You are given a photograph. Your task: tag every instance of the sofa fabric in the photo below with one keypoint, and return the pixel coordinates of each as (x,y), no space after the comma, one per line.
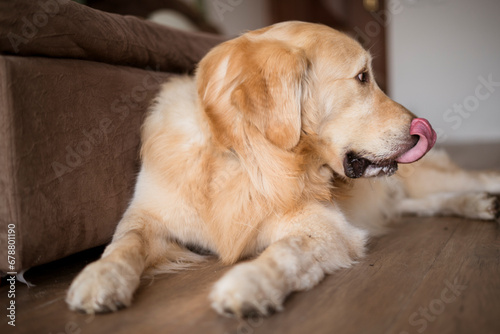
(70,116)
(63,28)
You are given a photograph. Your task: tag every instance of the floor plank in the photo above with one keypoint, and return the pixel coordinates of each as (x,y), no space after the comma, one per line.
(461,292)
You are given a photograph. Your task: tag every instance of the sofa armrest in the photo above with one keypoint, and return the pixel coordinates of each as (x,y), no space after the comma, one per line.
(70,136)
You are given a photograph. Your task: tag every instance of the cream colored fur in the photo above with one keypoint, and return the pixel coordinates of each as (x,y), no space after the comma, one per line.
(246,160)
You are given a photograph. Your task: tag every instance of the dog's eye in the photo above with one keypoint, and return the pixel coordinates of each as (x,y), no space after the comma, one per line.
(363,77)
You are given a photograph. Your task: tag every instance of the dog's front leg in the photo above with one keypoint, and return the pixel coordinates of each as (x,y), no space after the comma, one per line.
(109,283)
(303,248)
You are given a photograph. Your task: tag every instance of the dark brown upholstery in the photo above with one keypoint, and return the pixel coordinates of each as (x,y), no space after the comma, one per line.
(60,28)
(70,116)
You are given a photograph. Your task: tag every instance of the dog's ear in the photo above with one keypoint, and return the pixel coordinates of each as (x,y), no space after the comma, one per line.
(269,94)
(263,86)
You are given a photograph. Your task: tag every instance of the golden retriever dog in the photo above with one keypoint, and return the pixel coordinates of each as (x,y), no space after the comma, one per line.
(274,153)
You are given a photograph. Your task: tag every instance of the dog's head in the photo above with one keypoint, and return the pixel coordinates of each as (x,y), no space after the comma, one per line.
(295,80)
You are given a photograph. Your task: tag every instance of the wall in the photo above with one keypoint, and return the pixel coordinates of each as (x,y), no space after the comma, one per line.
(442,54)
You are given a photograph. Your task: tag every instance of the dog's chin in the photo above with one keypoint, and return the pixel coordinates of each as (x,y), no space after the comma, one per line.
(356,166)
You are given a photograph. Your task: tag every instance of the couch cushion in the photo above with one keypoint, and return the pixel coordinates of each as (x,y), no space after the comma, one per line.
(65,29)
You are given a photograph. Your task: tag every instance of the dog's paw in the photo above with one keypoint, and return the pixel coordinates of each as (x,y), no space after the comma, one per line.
(482,206)
(247,290)
(103,286)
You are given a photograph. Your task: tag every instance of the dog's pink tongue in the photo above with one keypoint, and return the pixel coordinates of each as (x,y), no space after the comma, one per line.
(422,128)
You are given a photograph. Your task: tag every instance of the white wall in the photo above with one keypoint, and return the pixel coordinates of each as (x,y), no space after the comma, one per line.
(440,53)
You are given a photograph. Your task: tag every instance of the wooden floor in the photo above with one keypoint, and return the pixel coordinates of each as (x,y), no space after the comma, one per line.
(432,275)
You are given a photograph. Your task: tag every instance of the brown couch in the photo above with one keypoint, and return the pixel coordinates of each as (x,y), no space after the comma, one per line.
(74,86)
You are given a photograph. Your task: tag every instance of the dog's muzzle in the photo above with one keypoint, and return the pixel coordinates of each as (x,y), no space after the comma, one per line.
(356,166)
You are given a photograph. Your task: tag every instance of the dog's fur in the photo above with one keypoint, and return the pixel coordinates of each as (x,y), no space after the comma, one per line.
(247,160)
